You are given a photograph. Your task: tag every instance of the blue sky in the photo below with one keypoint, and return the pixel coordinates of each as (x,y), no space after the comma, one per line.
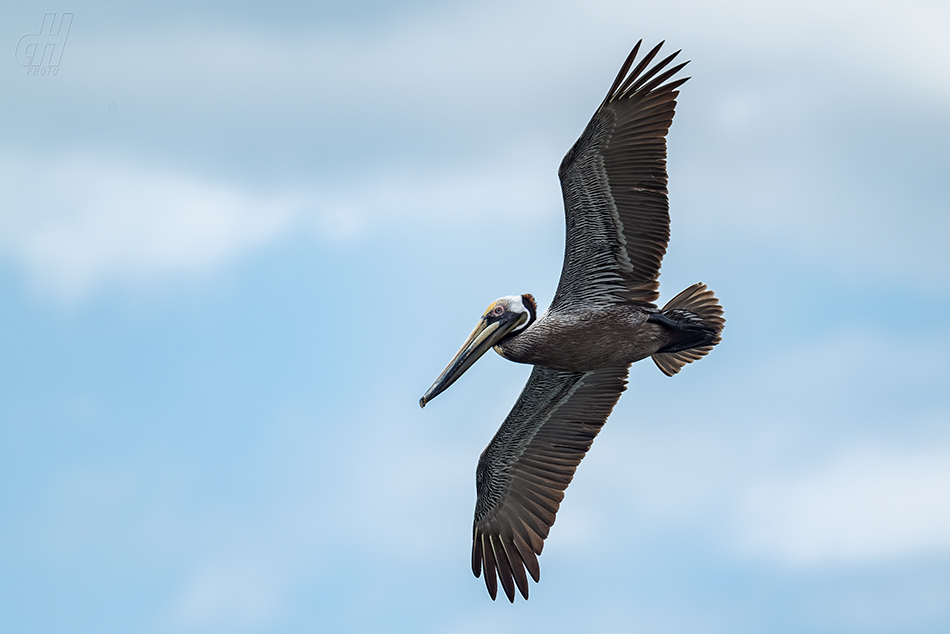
(237,243)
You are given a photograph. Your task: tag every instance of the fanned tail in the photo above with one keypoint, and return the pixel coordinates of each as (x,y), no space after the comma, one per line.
(698,310)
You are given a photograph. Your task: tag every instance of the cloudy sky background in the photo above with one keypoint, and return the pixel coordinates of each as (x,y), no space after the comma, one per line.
(238,242)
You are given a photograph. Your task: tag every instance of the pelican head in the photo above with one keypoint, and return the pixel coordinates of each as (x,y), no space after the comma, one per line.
(505,317)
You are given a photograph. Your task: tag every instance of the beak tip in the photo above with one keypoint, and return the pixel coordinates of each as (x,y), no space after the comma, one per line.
(422,402)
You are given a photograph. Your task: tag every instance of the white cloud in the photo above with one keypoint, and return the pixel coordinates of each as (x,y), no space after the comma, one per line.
(520,183)
(489,50)
(92,222)
(89,222)
(866,505)
(99,221)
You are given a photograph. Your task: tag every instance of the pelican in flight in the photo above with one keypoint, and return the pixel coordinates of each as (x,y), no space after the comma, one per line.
(602,319)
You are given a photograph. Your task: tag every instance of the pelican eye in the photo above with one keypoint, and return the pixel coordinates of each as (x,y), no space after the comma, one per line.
(498,310)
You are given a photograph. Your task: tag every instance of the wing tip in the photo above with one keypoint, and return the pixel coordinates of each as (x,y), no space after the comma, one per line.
(629,82)
(504,560)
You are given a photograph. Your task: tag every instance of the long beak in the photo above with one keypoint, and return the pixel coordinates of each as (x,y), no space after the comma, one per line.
(482,339)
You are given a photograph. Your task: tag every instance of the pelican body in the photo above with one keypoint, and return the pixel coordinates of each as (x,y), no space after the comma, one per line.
(603,318)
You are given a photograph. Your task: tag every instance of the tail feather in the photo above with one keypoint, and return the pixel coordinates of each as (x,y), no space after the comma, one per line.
(697,307)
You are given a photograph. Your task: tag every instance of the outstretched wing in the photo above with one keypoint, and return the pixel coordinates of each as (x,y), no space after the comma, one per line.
(614,185)
(523,472)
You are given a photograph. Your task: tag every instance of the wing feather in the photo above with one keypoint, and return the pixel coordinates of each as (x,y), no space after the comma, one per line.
(505,574)
(614,184)
(522,474)
(528,558)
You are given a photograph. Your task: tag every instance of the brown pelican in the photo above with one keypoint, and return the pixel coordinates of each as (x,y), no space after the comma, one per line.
(602,319)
